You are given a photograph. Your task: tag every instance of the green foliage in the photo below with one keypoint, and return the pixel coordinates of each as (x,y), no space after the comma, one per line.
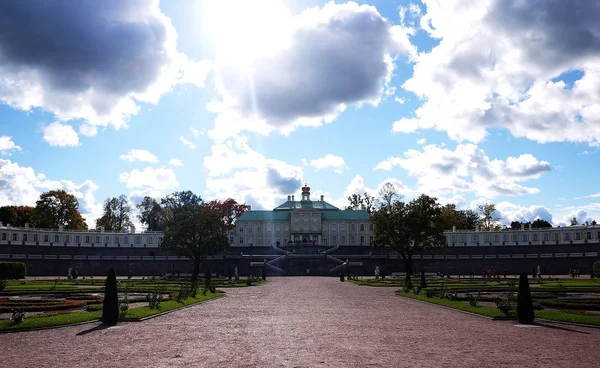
(124,307)
(423,280)
(116,215)
(525,313)
(13,270)
(2,284)
(57,207)
(152,214)
(597,268)
(363,202)
(16,215)
(18,316)
(154,299)
(110,310)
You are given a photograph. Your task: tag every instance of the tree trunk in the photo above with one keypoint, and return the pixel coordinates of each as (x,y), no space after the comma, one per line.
(195,273)
(408,270)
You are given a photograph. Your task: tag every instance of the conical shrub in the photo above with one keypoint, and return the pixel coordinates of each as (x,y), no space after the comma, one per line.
(525,313)
(423,280)
(110,308)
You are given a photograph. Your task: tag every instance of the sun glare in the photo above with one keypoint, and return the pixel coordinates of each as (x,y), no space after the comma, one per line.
(244,31)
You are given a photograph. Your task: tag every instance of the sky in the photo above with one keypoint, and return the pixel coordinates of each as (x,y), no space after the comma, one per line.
(471,102)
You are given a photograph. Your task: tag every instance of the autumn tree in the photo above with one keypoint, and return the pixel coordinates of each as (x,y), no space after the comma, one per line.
(462,219)
(229,210)
(193,230)
(16,215)
(152,214)
(57,207)
(116,215)
(487,215)
(363,201)
(407,228)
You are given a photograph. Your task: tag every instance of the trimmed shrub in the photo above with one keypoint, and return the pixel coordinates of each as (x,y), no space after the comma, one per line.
(597,269)
(423,280)
(110,309)
(13,270)
(525,313)
(2,284)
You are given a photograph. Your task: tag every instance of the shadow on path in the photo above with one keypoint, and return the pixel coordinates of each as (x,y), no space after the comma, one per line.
(560,328)
(99,327)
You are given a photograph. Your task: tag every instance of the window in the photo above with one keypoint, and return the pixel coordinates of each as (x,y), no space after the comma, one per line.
(150,240)
(567,236)
(452,238)
(486,238)
(259,241)
(56,238)
(259,229)
(286,227)
(305,218)
(126,239)
(241,228)
(362,240)
(577,236)
(269,227)
(250,229)
(352,240)
(250,241)
(47,239)
(496,238)
(87,238)
(556,237)
(333,227)
(325,227)
(296,227)
(3,236)
(159,240)
(535,237)
(67,238)
(515,238)
(589,235)
(231,240)
(353,227)
(305,227)
(268,241)
(462,238)
(334,239)
(343,239)
(241,240)
(24,237)
(524,237)
(278,227)
(546,237)
(370,227)
(14,236)
(342,227)
(315,227)
(371,239)
(97,239)
(474,238)
(362,227)
(137,239)
(77,238)
(117,240)
(505,237)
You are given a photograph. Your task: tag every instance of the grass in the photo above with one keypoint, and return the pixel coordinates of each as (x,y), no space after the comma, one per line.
(50,321)
(491,312)
(562,316)
(143,312)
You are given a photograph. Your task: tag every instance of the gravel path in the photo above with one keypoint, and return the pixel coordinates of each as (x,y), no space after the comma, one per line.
(307,322)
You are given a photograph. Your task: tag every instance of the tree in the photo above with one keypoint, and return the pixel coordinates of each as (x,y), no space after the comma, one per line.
(110,305)
(152,214)
(117,214)
(193,230)
(57,207)
(525,313)
(363,201)
(16,215)
(408,228)
(574,221)
(516,224)
(487,215)
(461,219)
(540,224)
(229,210)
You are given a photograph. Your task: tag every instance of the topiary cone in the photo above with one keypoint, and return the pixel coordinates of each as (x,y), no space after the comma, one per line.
(423,280)
(525,313)
(110,307)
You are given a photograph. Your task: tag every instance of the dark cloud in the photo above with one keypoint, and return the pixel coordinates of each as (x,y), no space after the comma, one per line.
(550,31)
(341,59)
(281,184)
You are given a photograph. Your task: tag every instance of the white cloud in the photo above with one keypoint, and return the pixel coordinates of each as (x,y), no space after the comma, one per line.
(328,161)
(399,100)
(7,145)
(440,171)
(139,155)
(509,64)
(98,61)
(187,143)
(61,135)
(22,186)
(197,132)
(279,83)
(150,178)
(175,162)
(510,212)
(421,141)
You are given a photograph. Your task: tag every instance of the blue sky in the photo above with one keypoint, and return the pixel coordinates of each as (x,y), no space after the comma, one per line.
(471,102)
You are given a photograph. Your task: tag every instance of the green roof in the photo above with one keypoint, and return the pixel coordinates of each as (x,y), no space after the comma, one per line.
(281,215)
(292,205)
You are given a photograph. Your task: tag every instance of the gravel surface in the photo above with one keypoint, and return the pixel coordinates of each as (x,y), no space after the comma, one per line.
(307,322)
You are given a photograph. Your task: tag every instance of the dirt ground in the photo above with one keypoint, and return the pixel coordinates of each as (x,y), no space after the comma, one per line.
(307,322)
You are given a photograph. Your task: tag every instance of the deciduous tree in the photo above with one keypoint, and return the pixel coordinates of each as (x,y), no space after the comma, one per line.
(487,215)
(57,207)
(117,214)
(152,214)
(16,215)
(408,228)
(229,210)
(363,201)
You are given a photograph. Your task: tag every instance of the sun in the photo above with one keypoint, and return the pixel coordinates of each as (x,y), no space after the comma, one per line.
(245,31)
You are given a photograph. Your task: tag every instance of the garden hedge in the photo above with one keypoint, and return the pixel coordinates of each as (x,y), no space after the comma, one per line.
(13,270)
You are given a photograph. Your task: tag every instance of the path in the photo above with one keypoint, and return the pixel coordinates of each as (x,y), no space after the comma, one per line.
(307,322)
